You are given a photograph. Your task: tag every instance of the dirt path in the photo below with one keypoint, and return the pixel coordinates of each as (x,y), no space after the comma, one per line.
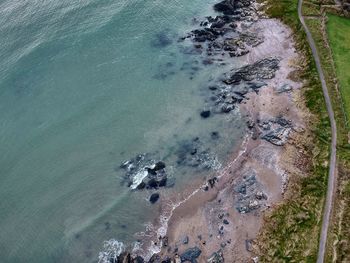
(332,164)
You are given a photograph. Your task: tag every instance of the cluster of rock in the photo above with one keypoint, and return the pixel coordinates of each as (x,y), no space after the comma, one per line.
(236,85)
(275,130)
(143,172)
(190,255)
(248,194)
(221,33)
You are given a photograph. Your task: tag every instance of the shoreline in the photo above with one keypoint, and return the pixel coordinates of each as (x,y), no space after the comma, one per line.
(219,220)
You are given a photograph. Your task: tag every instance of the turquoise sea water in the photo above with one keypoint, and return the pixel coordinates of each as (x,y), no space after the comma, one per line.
(84,86)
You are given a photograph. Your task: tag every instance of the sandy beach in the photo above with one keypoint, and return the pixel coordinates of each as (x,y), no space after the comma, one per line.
(213,220)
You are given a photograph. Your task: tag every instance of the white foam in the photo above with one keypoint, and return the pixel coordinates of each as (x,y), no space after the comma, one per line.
(111,250)
(138,178)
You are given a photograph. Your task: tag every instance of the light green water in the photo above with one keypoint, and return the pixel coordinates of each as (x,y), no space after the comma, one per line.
(77,97)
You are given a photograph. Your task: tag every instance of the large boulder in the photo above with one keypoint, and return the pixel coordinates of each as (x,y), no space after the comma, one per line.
(191,255)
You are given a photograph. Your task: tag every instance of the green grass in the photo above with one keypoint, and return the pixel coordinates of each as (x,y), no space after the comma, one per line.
(338,30)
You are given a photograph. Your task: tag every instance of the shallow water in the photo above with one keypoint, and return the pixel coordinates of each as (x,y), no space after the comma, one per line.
(84,86)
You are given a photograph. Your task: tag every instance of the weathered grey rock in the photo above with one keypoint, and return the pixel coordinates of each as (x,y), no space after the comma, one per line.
(284,88)
(276,131)
(216,257)
(185,240)
(248,194)
(263,69)
(278,136)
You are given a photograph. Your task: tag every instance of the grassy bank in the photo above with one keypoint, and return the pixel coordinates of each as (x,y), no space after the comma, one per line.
(291,231)
(338,35)
(338,29)
(331,34)
(284,229)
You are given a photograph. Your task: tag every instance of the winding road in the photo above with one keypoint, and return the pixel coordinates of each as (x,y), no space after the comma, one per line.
(332,164)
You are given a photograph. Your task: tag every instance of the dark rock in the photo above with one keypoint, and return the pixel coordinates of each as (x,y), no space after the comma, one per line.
(260,196)
(212,181)
(205,114)
(138,259)
(155,259)
(250,124)
(162,182)
(185,240)
(124,257)
(154,198)
(152,183)
(154,178)
(166,260)
(191,255)
(249,245)
(215,135)
(141,186)
(165,241)
(225,222)
(159,166)
(263,69)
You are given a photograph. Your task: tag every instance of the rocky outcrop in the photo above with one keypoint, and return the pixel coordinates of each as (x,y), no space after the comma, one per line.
(276,131)
(144,172)
(248,193)
(263,69)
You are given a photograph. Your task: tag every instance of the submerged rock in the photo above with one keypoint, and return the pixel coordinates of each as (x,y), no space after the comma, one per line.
(193,153)
(154,198)
(205,114)
(161,39)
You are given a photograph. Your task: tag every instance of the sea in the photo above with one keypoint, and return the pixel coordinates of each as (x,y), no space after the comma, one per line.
(86,85)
